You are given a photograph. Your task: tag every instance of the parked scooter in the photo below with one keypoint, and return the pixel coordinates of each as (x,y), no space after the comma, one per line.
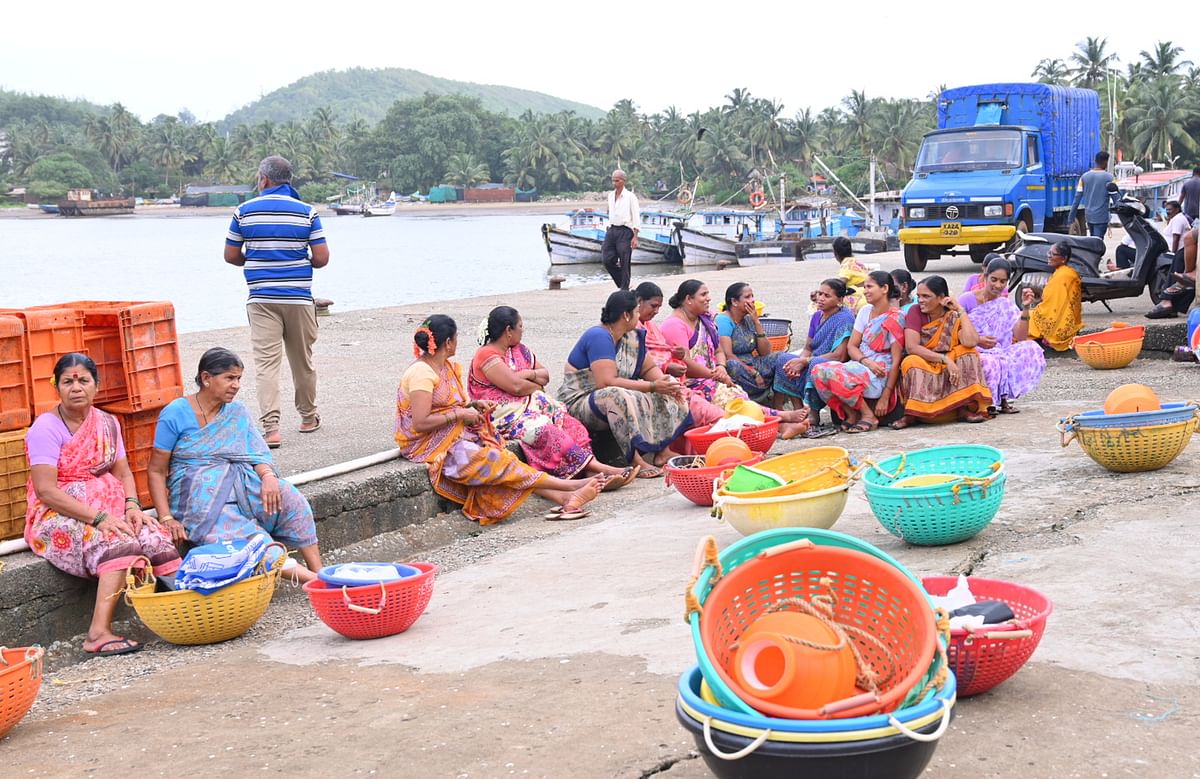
(1151,268)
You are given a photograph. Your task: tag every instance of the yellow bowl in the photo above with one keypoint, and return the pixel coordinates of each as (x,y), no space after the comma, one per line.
(927,480)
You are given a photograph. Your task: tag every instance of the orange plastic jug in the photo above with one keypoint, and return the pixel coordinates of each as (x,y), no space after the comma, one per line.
(1130,398)
(769,664)
(727,451)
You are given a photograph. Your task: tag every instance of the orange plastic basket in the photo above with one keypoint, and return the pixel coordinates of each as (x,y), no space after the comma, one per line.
(696,483)
(758,437)
(870,595)
(20,680)
(376,610)
(137,430)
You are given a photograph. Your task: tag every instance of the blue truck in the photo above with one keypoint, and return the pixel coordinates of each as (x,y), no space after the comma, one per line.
(1005,158)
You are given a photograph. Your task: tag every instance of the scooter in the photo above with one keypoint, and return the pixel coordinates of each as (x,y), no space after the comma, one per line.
(1151,268)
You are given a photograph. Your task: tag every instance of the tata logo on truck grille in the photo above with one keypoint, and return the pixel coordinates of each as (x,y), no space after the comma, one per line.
(952,212)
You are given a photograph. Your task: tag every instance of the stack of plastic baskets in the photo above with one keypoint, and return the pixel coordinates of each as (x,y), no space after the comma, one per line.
(892,734)
(958,497)
(815,495)
(1137,441)
(1109,349)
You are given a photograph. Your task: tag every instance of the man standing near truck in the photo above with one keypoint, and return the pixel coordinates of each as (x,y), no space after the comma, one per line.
(1092,192)
(1189,196)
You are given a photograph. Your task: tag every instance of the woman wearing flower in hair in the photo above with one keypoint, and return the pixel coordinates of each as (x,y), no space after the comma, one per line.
(507,373)
(612,384)
(83,513)
(438,424)
(211,474)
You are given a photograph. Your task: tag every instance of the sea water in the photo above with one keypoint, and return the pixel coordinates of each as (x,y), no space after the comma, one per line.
(374,262)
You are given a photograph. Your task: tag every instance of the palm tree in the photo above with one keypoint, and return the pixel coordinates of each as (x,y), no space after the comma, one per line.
(767,134)
(223,162)
(859,112)
(167,145)
(1158,119)
(720,154)
(1051,71)
(464,169)
(896,129)
(831,131)
(1164,60)
(801,136)
(1091,62)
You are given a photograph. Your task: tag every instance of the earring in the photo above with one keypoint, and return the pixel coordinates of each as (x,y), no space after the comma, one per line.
(206,383)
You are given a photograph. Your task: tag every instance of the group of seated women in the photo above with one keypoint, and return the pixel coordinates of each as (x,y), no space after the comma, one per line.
(211,479)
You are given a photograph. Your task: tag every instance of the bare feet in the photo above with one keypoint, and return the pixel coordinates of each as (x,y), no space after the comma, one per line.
(790,430)
(798,415)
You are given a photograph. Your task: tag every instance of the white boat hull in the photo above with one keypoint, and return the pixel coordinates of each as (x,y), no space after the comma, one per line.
(700,248)
(567,249)
(387,210)
(754,253)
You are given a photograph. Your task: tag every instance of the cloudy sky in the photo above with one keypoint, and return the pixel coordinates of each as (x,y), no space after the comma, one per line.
(212,58)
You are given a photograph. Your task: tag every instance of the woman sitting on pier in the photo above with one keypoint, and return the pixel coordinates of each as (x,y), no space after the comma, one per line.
(828,335)
(507,373)
(438,424)
(941,377)
(744,345)
(211,475)
(611,383)
(906,287)
(1012,364)
(687,346)
(83,513)
(864,389)
(1059,317)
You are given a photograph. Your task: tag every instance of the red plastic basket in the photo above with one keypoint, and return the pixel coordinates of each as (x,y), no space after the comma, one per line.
(20,680)
(871,595)
(376,610)
(983,659)
(696,484)
(758,437)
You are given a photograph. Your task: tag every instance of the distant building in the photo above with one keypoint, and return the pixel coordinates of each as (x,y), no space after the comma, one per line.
(216,195)
(1154,188)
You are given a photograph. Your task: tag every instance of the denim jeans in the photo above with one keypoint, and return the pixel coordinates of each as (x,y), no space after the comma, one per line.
(1098,229)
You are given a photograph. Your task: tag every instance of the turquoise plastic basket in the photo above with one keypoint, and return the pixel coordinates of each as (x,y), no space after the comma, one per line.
(749,547)
(938,514)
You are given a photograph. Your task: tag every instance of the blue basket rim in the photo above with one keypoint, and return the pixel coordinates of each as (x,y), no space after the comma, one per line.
(689,690)
(1134,418)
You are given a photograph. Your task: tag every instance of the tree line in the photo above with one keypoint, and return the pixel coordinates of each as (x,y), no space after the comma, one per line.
(49,145)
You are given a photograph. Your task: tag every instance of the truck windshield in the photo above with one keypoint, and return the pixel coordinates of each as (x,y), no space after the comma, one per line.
(970,150)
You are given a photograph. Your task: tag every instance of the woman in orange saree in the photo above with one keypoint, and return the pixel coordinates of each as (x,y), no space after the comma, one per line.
(942,376)
(438,424)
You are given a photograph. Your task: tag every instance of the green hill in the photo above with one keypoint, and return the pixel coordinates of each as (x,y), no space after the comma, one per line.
(369,93)
(23,107)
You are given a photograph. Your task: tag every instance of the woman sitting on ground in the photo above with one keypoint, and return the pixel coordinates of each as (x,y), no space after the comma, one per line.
(611,383)
(1012,364)
(941,376)
(828,335)
(687,346)
(439,425)
(744,345)
(211,475)
(83,513)
(1059,317)
(507,373)
(863,390)
(906,286)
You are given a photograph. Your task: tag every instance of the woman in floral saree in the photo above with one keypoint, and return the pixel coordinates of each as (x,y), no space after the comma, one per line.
(1012,364)
(211,474)
(863,390)
(941,377)
(83,513)
(438,424)
(506,372)
(612,384)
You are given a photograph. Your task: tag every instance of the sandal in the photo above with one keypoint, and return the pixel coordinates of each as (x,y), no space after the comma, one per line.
(273,438)
(649,472)
(573,508)
(821,432)
(861,427)
(311,427)
(116,646)
(1007,409)
(901,423)
(1184,279)
(974,419)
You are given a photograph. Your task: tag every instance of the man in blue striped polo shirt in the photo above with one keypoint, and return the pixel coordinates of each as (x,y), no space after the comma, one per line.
(277,239)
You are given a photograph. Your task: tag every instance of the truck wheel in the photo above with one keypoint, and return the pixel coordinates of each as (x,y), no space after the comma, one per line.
(980,253)
(1022,227)
(914,258)
(1159,281)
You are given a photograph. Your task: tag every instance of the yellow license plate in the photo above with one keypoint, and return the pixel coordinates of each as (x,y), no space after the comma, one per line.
(951,229)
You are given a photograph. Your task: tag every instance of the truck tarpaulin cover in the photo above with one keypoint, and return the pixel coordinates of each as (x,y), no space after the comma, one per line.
(1067,117)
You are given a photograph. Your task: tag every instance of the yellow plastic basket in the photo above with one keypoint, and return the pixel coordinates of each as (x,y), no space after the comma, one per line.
(1131,449)
(1107,356)
(819,509)
(806,470)
(187,617)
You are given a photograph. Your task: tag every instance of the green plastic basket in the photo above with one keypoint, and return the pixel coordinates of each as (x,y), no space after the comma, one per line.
(938,514)
(706,577)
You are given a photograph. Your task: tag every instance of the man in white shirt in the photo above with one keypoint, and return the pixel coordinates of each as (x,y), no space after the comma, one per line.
(624,219)
(1179,295)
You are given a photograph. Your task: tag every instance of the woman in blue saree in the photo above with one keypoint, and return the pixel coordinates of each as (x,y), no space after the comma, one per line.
(211,475)
(828,336)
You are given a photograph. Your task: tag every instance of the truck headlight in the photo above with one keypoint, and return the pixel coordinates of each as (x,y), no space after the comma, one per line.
(916,213)
(989,211)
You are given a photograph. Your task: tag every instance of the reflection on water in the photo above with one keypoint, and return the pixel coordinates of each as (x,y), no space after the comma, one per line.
(373,262)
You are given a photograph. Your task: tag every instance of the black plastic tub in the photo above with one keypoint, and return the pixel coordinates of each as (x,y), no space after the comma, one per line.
(891,757)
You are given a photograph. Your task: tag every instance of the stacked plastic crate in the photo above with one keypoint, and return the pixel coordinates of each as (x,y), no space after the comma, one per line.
(14,420)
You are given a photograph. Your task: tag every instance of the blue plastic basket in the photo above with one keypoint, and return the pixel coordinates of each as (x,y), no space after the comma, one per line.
(1170,413)
(749,547)
(937,514)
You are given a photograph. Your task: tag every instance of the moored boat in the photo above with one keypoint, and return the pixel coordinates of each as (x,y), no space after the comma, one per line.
(583,241)
(380,207)
(711,236)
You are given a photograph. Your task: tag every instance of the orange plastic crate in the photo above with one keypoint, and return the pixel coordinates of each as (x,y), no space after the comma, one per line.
(137,430)
(14,475)
(50,332)
(144,334)
(14,386)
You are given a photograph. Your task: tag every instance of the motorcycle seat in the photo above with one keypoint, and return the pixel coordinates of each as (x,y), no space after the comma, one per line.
(1084,243)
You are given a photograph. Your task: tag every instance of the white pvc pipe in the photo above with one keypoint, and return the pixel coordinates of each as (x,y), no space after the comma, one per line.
(329,471)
